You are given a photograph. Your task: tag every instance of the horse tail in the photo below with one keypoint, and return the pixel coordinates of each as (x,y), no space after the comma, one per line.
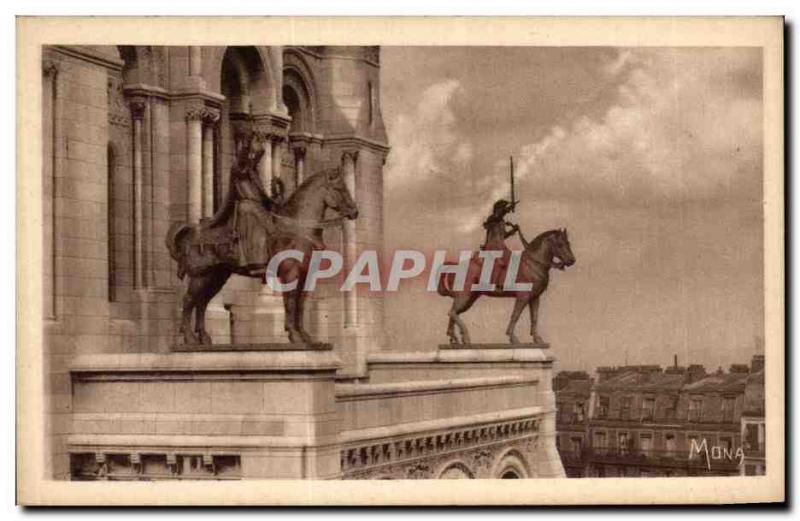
(178,245)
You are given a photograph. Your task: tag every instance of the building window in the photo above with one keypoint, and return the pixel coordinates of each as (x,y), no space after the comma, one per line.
(625,409)
(577,409)
(645,443)
(576,444)
(648,409)
(602,406)
(671,408)
(728,405)
(695,409)
(669,443)
(753,437)
(599,442)
(623,442)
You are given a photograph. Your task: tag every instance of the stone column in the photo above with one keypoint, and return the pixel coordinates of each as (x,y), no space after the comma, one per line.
(349,159)
(210,119)
(277,153)
(265,165)
(49,155)
(300,164)
(195,60)
(194,162)
(138,107)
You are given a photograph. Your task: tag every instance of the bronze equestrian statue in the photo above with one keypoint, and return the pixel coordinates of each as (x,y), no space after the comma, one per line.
(550,249)
(249,228)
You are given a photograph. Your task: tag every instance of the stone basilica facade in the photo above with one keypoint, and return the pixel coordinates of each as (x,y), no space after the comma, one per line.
(137,138)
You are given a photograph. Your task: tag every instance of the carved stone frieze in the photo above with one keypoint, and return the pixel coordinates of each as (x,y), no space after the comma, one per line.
(422,456)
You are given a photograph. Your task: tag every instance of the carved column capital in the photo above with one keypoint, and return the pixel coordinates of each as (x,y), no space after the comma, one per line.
(263,134)
(299,149)
(210,116)
(138,107)
(50,67)
(195,114)
(350,155)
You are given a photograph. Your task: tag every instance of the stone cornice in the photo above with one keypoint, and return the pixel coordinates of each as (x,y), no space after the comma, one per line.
(211,98)
(351,392)
(85,53)
(437,425)
(144,90)
(357,142)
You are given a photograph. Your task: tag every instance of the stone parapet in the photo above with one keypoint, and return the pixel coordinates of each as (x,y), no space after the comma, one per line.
(255,414)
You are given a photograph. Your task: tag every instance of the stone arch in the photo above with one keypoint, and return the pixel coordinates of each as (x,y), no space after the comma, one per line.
(455,469)
(246,84)
(244,73)
(511,464)
(299,92)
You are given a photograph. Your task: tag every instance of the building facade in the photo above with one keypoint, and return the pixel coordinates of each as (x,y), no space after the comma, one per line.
(137,138)
(642,421)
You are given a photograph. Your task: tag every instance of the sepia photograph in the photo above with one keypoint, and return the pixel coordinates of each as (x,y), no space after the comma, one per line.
(314,260)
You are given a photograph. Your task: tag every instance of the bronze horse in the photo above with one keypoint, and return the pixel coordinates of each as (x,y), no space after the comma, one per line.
(550,249)
(207,255)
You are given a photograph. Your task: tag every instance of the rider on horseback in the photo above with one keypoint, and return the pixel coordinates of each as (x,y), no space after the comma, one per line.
(497,231)
(249,206)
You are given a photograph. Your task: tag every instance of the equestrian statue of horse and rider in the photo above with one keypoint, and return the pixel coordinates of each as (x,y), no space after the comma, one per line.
(251,227)
(550,249)
(248,230)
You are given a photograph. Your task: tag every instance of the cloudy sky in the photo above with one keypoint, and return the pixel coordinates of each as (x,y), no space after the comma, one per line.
(651,158)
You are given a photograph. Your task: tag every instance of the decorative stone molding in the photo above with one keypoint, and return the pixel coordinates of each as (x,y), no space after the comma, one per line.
(138,107)
(418,456)
(134,466)
(117,110)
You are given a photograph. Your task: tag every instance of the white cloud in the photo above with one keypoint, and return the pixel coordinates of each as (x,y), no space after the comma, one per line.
(683,128)
(424,140)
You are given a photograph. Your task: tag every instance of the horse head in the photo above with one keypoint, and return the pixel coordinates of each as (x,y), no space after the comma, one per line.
(561,249)
(337,195)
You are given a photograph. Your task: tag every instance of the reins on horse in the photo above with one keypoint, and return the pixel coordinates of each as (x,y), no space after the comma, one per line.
(308,223)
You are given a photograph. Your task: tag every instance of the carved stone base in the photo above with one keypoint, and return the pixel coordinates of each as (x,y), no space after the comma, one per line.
(527,345)
(213,348)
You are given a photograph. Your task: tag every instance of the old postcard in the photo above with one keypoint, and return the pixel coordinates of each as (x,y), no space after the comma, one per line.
(330,252)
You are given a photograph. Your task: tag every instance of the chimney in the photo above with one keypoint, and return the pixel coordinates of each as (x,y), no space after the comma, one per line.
(694,373)
(675,360)
(739,369)
(757,363)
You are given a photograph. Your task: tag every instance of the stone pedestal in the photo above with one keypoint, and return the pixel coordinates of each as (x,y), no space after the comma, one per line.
(218,320)
(268,318)
(205,415)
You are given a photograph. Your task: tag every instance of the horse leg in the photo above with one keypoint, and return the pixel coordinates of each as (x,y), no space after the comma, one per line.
(290,312)
(299,319)
(208,286)
(519,305)
(534,309)
(461,303)
(288,274)
(451,333)
(189,338)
